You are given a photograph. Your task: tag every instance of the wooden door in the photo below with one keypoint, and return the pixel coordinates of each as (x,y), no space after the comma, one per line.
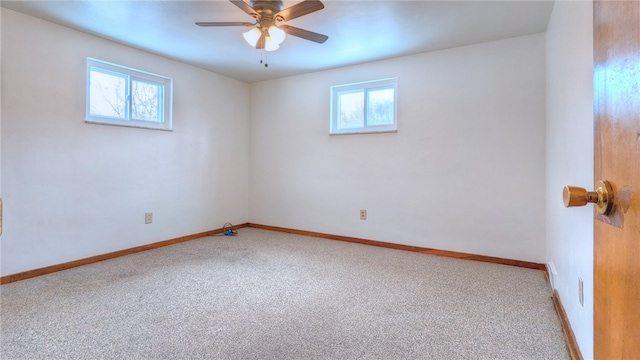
(617,159)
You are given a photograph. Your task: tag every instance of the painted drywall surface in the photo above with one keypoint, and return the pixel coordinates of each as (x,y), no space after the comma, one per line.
(0,121)
(464,172)
(74,190)
(570,159)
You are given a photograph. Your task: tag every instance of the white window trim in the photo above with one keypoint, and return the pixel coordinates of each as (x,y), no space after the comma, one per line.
(366,86)
(166,100)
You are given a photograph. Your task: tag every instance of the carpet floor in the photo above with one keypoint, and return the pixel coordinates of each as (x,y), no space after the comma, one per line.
(270,295)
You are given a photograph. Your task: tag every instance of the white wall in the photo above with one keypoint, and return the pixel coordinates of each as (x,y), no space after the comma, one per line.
(0,116)
(570,159)
(465,172)
(0,121)
(73,190)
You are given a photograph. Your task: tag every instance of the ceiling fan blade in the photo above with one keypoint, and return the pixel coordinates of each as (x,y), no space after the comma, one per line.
(261,41)
(207,23)
(246,8)
(300,9)
(305,34)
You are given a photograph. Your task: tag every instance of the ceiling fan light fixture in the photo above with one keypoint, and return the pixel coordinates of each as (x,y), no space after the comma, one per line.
(276,34)
(252,36)
(270,44)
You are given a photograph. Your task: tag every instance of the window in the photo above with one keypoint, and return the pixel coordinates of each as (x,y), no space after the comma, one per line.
(366,107)
(118,95)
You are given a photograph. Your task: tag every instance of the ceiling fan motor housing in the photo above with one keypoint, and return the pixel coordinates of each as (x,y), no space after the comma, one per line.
(266,9)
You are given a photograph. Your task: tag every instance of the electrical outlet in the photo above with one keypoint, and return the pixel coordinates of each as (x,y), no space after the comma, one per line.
(148,218)
(363,214)
(581,291)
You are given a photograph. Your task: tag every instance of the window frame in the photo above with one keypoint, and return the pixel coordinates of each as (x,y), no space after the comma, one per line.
(366,87)
(165,99)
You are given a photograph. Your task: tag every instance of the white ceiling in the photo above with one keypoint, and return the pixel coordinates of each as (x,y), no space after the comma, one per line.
(359,31)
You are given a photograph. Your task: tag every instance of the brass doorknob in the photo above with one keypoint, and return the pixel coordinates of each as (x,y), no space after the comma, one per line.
(602,197)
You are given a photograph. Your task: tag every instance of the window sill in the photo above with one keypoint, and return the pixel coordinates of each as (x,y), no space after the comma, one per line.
(363,132)
(135,125)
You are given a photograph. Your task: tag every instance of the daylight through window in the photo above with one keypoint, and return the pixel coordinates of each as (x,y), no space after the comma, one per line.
(364,107)
(118,95)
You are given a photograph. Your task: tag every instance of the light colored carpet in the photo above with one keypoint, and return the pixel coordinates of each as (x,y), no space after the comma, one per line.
(268,295)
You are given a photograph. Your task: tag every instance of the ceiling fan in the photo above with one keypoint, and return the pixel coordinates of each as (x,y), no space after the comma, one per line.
(267,32)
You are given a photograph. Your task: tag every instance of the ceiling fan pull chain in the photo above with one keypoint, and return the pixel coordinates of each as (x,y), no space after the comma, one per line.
(265,59)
